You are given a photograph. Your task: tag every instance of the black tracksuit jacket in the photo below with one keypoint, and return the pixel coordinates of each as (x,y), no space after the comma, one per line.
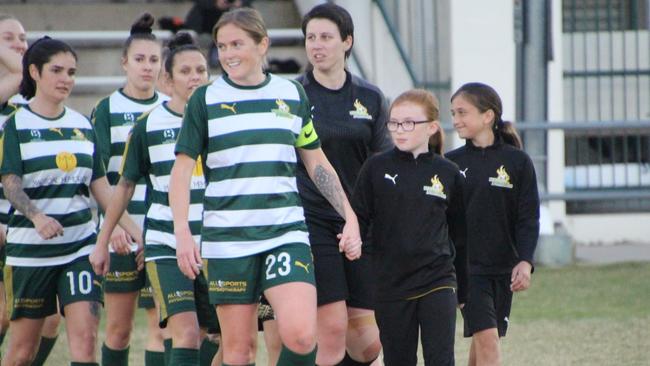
(414,208)
(501,204)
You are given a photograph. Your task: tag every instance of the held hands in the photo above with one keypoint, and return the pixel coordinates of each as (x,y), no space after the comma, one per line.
(47,227)
(121,241)
(350,240)
(520,278)
(187,254)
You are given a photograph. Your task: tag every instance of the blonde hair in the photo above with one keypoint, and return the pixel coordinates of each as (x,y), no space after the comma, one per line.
(431,108)
(247,19)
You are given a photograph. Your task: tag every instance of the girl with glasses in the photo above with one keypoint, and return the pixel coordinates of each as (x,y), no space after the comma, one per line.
(411,198)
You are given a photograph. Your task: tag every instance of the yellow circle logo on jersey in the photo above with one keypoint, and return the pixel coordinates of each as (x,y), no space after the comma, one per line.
(198,168)
(66,161)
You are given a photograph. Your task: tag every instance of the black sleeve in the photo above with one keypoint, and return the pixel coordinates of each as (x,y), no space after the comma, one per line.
(458,233)
(381,140)
(527,224)
(362,199)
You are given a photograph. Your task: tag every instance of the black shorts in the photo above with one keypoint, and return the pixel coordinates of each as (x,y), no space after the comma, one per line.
(337,278)
(488,304)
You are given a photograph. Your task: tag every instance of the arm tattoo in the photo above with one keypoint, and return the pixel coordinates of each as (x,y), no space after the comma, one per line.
(13,188)
(330,188)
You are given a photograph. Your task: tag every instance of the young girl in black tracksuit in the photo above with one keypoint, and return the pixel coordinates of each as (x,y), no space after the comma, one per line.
(411,197)
(502,203)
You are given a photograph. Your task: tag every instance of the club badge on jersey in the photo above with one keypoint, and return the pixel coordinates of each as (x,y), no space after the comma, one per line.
(502,179)
(360,111)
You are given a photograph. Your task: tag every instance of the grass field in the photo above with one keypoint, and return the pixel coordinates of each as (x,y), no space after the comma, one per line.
(578,315)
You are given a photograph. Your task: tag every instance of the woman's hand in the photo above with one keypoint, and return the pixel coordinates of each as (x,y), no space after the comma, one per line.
(47,227)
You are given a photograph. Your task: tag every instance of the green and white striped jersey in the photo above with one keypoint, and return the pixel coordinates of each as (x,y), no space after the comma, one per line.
(57,160)
(247,137)
(5,111)
(150,154)
(114,117)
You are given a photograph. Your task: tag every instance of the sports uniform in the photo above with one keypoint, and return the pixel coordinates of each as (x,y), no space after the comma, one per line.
(57,160)
(414,208)
(149,154)
(113,117)
(254,235)
(351,124)
(499,179)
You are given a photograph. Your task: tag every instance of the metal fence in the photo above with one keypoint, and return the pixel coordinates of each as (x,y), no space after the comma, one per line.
(607,83)
(422,32)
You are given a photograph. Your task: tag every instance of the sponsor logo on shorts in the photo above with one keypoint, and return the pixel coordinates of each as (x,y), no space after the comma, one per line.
(28,303)
(180,296)
(122,276)
(228,286)
(302,265)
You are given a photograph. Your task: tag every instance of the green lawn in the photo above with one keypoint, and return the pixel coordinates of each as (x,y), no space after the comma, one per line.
(579,315)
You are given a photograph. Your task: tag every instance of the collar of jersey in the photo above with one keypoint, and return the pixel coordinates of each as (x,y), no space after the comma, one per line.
(267,79)
(47,118)
(406,155)
(497,142)
(139,101)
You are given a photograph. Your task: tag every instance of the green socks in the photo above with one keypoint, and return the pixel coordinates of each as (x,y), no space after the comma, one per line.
(168,351)
(111,357)
(207,352)
(184,357)
(44,350)
(290,358)
(153,358)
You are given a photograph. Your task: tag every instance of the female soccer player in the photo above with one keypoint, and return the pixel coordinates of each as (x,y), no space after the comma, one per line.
(246,127)
(499,178)
(411,197)
(114,116)
(350,118)
(50,163)
(13,44)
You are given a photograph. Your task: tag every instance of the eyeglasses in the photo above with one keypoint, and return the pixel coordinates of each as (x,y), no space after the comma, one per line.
(407,125)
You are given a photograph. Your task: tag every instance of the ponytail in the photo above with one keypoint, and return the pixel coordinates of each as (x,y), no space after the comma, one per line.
(485,98)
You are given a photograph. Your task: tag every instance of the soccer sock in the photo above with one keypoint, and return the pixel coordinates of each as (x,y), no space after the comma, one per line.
(168,350)
(153,358)
(44,350)
(111,357)
(348,361)
(290,358)
(184,357)
(207,352)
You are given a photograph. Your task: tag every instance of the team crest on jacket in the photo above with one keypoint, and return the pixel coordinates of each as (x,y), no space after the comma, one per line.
(360,111)
(283,109)
(436,188)
(502,179)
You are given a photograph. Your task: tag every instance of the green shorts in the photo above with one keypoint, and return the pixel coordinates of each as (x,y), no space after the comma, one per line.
(123,276)
(243,280)
(178,294)
(32,291)
(145,298)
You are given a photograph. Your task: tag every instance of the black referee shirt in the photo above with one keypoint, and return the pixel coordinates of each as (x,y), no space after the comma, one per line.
(502,206)
(351,125)
(414,207)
